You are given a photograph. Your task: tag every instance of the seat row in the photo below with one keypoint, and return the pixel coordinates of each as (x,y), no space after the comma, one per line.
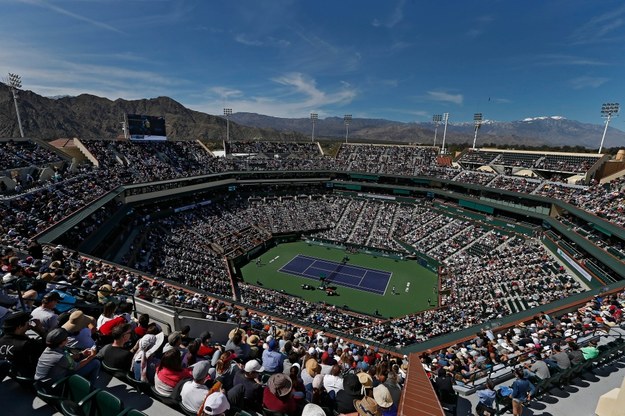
(72,395)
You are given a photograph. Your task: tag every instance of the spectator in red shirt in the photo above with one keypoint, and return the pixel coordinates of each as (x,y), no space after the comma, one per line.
(207,349)
(142,327)
(170,372)
(277,396)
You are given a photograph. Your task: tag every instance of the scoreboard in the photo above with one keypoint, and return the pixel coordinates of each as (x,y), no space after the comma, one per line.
(142,127)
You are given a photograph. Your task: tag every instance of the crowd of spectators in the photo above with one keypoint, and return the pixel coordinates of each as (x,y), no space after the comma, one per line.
(475,177)
(546,161)
(566,163)
(282,368)
(497,269)
(604,200)
(361,221)
(389,159)
(543,346)
(22,154)
(137,162)
(271,149)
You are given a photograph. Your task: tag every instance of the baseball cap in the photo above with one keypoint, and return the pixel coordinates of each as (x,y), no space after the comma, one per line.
(252,366)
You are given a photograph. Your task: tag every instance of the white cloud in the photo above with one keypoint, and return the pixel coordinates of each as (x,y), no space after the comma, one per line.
(445,97)
(48,73)
(297,95)
(601,29)
(73,15)
(396,16)
(501,100)
(570,60)
(243,39)
(587,82)
(225,93)
(269,41)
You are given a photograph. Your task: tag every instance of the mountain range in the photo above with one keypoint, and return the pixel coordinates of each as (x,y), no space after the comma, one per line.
(89,116)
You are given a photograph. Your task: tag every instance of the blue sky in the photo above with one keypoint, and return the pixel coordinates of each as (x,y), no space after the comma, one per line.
(395,59)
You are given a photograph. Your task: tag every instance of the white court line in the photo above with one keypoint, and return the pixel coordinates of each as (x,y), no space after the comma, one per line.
(364,289)
(355,267)
(387,283)
(335,270)
(286,271)
(358,286)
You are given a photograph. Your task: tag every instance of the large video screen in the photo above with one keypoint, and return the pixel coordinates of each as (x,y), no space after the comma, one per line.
(142,127)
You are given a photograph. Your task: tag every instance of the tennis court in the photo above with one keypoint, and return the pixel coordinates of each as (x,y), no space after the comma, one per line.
(342,274)
(283,268)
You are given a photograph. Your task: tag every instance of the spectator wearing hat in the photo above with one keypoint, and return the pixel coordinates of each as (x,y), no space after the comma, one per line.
(170,372)
(56,362)
(237,345)
(144,361)
(273,360)
(352,390)
(277,395)
(590,351)
(252,341)
(80,330)
(216,404)
(45,312)
(367,407)
(383,399)
(174,341)
(311,369)
(16,347)
(115,355)
(312,409)
(105,294)
(366,381)
(253,389)
(194,391)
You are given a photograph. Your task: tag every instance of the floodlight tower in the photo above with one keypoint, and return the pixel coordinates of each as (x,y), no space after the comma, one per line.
(15,83)
(477,119)
(347,118)
(313,118)
(227,113)
(445,120)
(436,118)
(607,111)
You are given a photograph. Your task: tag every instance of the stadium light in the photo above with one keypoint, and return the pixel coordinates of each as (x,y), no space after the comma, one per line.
(607,111)
(347,118)
(436,118)
(15,83)
(227,113)
(445,120)
(477,119)
(313,118)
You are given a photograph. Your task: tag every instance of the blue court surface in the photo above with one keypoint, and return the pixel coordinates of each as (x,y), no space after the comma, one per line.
(342,274)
